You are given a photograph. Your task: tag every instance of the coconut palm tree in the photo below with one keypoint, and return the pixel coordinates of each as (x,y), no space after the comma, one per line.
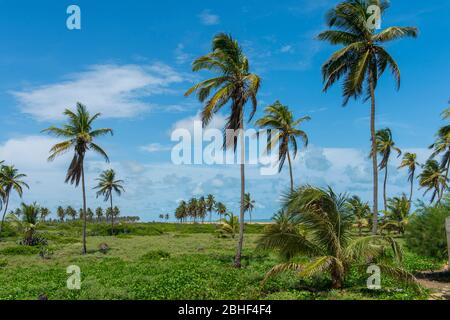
(193,208)
(80,137)
(10,180)
(410,161)
(107,185)
(45,212)
(229,225)
(385,146)
(442,147)
(99,213)
(397,214)
(28,222)
(234,85)
(249,205)
(361,61)
(71,212)
(61,213)
(361,213)
(201,208)
(221,209)
(210,204)
(433,179)
(319,226)
(182,211)
(279,118)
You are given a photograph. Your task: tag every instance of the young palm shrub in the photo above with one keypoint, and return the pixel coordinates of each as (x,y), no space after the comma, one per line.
(229,225)
(27,224)
(361,213)
(317,224)
(397,214)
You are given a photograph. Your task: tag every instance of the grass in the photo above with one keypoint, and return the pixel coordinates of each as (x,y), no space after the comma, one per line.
(167,261)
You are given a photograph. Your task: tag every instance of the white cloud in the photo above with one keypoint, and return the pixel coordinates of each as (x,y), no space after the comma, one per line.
(208,18)
(287,49)
(217,122)
(114,90)
(180,55)
(155,147)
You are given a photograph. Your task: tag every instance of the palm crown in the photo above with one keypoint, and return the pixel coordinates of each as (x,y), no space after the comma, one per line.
(433,179)
(107,184)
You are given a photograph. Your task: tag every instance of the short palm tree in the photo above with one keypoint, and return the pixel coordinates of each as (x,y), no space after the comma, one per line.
(278,117)
(397,214)
(107,185)
(385,146)
(319,226)
(10,180)
(210,205)
(249,205)
(80,137)
(234,85)
(30,217)
(361,61)
(410,161)
(433,179)
(361,213)
(229,225)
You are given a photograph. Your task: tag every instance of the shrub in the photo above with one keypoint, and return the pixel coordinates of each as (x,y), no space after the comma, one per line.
(20,251)
(425,233)
(3,263)
(156,255)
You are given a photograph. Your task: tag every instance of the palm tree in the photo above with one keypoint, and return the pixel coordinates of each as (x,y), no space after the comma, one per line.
(80,137)
(360,211)
(361,61)
(210,204)
(45,212)
(279,118)
(221,209)
(30,215)
(201,208)
(61,213)
(192,208)
(71,212)
(397,214)
(319,226)
(10,180)
(99,213)
(410,161)
(107,185)
(249,205)
(228,225)
(234,84)
(385,146)
(442,146)
(433,178)
(182,211)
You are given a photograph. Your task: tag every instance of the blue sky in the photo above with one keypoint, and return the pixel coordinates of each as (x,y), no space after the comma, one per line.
(131,61)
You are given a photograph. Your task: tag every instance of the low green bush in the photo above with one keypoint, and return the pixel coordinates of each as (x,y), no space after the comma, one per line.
(20,251)
(3,263)
(156,255)
(425,233)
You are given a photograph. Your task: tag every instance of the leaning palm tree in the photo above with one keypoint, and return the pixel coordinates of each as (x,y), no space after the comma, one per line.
(280,119)
(249,205)
(319,226)
(235,85)
(10,180)
(385,146)
(433,179)
(361,61)
(410,161)
(107,185)
(210,204)
(79,137)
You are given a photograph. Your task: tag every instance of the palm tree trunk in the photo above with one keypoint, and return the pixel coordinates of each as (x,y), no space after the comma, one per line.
(237,260)
(4,213)
(112,214)
(290,171)
(384,187)
(374,158)
(411,192)
(84,209)
(444,186)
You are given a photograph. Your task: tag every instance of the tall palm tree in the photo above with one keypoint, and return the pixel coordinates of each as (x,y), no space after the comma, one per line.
(80,137)
(385,146)
(442,147)
(410,161)
(107,185)
(318,226)
(233,84)
(362,61)
(249,205)
(221,209)
(61,213)
(433,179)
(193,208)
(45,212)
(99,213)
(201,208)
(10,180)
(210,204)
(182,211)
(278,117)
